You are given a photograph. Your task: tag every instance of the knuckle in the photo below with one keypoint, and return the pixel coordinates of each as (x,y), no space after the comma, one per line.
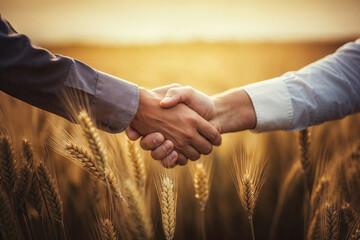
(191,119)
(175,85)
(187,135)
(172,91)
(188,88)
(180,145)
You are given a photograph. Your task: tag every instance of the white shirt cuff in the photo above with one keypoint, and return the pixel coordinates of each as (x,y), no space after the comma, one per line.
(272,104)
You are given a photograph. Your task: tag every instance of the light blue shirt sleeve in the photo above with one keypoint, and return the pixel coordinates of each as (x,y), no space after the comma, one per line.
(327,89)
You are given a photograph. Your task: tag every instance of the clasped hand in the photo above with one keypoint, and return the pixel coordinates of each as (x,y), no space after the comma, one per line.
(180,123)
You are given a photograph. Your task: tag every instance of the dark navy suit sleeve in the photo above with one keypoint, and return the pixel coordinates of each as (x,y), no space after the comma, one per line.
(38,77)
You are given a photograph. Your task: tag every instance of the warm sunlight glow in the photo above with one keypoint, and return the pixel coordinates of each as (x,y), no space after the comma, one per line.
(141,21)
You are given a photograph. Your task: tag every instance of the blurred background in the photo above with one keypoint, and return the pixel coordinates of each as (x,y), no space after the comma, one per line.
(212,46)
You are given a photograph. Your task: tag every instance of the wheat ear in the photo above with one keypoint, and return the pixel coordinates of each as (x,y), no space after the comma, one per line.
(249,174)
(88,163)
(51,193)
(28,153)
(34,196)
(201,185)
(248,195)
(331,222)
(7,163)
(168,207)
(141,226)
(317,193)
(355,234)
(314,228)
(137,165)
(93,139)
(304,142)
(23,185)
(8,224)
(107,230)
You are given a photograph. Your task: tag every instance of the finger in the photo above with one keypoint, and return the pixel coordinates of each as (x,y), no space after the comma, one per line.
(202,145)
(181,160)
(190,152)
(175,96)
(166,88)
(210,132)
(163,150)
(152,141)
(170,160)
(132,134)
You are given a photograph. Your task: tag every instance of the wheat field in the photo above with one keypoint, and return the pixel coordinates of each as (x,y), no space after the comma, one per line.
(60,180)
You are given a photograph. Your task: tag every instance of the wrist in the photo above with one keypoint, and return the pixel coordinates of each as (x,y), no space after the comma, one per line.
(146,102)
(234,111)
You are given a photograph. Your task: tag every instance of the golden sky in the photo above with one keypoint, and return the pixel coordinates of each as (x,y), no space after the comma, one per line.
(156,21)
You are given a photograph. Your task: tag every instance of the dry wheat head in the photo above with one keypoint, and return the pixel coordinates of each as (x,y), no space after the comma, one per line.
(201,185)
(107,230)
(168,207)
(137,165)
(50,192)
(140,225)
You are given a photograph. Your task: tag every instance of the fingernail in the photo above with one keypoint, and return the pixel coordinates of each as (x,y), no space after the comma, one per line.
(157,139)
(172,156)
(165,147)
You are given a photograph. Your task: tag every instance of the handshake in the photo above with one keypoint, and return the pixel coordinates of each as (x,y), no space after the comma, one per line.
(180,123)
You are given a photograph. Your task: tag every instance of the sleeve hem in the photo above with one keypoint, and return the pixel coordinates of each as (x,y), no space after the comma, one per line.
(272,104)
(115,102)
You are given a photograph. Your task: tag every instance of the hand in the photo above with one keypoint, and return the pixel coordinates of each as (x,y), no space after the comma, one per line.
(229,112)
(194,137)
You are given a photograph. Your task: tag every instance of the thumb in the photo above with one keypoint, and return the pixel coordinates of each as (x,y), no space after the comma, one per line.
(173,97)
(132,134)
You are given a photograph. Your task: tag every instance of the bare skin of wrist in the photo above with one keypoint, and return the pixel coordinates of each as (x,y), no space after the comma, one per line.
(234,111)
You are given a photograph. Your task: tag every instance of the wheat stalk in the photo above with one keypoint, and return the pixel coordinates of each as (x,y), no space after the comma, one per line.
(317,193)
(140,225)
(107,230)
(93,139)
(50,192)
(314,228)
(201,179)
(137,165)
(249,173)
(304,142)
(88,163)
(8,224)
(168,207)
(7,163)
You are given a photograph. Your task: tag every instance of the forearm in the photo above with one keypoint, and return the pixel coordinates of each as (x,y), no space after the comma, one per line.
(325,90)
(234,111)
(40,78)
